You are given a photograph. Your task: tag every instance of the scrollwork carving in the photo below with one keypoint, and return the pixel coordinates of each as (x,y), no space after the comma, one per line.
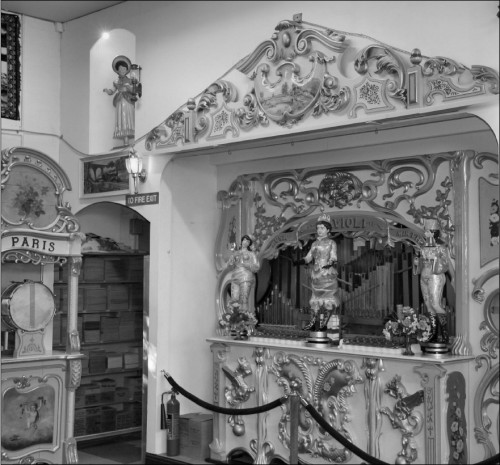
(35,258)
(339,189)
(404,418)
(334,382)
(487,395)
(252,116)
(290,40)
(23,382)
(386,61)
(441,65)
(486,74)
(238,393)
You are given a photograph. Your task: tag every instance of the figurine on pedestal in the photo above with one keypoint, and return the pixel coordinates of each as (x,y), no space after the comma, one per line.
(324,300)
(124,99)
(245,264)
(433,264)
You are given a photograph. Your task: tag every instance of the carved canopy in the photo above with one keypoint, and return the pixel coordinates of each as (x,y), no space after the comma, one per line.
(310,76)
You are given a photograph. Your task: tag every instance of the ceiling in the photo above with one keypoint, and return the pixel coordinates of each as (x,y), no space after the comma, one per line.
(56,11)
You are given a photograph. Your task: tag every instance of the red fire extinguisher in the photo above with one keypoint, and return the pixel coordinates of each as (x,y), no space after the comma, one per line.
(173,437)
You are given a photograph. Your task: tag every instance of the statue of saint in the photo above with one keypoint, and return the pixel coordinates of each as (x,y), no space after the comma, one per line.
(433,264)
(124,99)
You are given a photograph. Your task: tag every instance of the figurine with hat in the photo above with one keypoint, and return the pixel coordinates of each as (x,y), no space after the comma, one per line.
(325,300)
(125,95)
(432,265)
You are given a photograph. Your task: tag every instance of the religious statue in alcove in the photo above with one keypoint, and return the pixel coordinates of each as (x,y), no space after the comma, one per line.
(127,88)
(432,264)
(325,299)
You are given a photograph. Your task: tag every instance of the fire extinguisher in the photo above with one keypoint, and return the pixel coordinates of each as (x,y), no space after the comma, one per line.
(173,437)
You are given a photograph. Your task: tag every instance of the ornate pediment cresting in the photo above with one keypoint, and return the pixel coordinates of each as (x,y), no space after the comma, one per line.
(305,72)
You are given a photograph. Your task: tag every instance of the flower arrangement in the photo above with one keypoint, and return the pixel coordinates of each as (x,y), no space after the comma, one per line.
(234,319)
(406,323)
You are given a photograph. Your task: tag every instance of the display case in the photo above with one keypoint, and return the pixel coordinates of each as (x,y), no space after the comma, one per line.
(110,322)
(39,234)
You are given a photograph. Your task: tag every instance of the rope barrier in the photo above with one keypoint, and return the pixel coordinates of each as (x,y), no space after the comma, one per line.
(224,410)
(495,460)
(339,437)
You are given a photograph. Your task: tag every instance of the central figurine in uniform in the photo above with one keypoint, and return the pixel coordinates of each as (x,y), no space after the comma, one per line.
(325,300)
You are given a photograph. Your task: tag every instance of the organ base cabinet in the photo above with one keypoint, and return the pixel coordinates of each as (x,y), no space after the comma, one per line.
(396,408)
(36,410)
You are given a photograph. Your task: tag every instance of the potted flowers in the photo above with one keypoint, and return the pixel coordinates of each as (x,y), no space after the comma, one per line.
(408,324)
(238,322)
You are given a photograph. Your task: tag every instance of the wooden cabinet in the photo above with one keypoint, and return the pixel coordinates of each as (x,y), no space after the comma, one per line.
(110,324)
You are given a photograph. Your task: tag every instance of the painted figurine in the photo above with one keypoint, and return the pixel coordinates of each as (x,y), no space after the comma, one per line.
(433,264)
(124,99)
(246,264)
(324,283)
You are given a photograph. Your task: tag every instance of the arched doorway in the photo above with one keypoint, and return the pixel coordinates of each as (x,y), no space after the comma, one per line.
(114,315)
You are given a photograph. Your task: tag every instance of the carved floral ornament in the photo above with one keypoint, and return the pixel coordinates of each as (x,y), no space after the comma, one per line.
(303,71)
(379,195)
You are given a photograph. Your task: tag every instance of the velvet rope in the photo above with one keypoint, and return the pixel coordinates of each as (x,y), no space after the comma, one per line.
(314,413)
(224,410)
(339,437)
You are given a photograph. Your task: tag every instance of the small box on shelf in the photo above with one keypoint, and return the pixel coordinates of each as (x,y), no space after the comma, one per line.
(134,386)
(110,328)
(196,433)
(114,361)
(108,386)
(93,420)
(97,361)
(124,419)
(108,419)
(121,394)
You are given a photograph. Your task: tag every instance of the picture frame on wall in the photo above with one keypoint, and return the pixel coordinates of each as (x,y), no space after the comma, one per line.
(104,175)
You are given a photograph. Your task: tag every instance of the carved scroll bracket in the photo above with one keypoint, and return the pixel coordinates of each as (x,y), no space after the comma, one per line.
(238,393)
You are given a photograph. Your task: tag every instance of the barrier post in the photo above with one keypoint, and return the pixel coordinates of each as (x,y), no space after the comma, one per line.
(294,428)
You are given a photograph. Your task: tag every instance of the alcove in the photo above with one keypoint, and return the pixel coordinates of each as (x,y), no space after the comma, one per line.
(101,75)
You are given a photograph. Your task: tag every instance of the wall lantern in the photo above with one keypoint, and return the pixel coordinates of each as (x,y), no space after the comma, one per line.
(135,78)
(134,168)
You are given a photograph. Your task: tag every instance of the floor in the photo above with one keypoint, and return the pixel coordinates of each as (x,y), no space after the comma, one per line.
(114,451)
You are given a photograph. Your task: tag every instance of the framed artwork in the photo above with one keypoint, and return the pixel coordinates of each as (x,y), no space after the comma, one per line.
(28,418)
(33,185)
(488,220)
(104,175)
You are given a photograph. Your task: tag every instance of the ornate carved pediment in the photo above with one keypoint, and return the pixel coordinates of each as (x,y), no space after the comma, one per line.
(305,72)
